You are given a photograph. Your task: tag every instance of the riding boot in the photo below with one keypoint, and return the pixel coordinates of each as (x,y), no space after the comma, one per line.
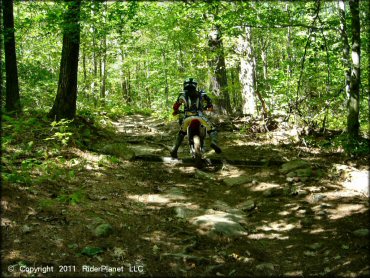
(213,135)
(179,138)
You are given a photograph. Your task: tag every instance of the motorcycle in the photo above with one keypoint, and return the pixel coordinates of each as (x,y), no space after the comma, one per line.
(196,128)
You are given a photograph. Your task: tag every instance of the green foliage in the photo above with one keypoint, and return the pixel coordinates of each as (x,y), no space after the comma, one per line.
(91,251)
(146,59)
(72,198)
(355,147)
(339,143)
(45,204)
(118,111)
(62,132)
(17,177)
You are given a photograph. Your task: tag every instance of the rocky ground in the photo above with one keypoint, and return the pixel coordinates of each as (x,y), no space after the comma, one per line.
(269,205)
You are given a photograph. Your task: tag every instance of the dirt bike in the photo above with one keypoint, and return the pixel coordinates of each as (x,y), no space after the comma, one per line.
(196,131)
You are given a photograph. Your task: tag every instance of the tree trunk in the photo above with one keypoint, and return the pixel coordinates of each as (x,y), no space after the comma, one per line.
(95,60)
(123,79)
(353,125)
(1,56)
(12,103)
(368,60)
(344,36)
(103,64)
(265,109)
(218,65)
(65,101)
(180,60)
(246,75)
(103,70)
(166,89)
(234,92)
(128,86)
(84,69)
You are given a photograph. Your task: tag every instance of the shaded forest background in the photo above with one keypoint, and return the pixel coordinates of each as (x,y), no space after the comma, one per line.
(252,57)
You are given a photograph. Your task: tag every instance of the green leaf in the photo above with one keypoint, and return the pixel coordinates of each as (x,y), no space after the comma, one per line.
(91,251)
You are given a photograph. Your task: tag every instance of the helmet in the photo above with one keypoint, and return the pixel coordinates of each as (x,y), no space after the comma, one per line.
(190,84)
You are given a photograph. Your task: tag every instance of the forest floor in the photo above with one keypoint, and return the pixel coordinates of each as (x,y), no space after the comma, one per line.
(273,206)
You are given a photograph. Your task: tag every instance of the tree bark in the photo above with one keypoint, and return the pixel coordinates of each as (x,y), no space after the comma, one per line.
(346,47)
(246,74)
(103,70)
(353,125)
(1,56)
(368,61)
(65,101)
(12,102)
(166,89)
(103,64)
(218,65)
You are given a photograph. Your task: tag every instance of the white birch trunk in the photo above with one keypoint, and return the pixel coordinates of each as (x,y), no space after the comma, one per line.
(246,74)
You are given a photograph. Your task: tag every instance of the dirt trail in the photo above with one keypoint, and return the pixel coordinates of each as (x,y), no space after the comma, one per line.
(166,219)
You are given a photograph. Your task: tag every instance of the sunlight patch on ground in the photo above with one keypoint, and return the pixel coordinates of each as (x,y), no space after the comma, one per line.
(4,204)
(358,181)
(13,255)
(6,222)
(157,198)
(311,150)
(150,198)
(267,236)
(238,142)
(264,186)
(317,231)
(190,206)
(219,222)
(353,178)
(278,226)
(344,210)
(297,273)
(187,170)
(343,194)
(156,236)
(87,155)
(284,213)
(231,172)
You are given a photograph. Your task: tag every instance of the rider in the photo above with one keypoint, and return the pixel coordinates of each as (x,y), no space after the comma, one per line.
(193,101)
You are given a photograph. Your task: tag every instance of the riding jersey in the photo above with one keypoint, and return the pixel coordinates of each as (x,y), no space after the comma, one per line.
(192,105)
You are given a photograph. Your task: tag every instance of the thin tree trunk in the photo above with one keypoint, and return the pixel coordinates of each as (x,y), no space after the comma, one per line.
(147,76)
(1,57)
(103,65)
(263,103)
(12,102)
(95,62)
(123,78)
(181,59)
(84,90)
(166,89)
(246,75)
(218,65)
(346,47)
(65,101)
(289,46)
(128,86)
(233,90)
(353,125)
(103,71)
(368,62)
